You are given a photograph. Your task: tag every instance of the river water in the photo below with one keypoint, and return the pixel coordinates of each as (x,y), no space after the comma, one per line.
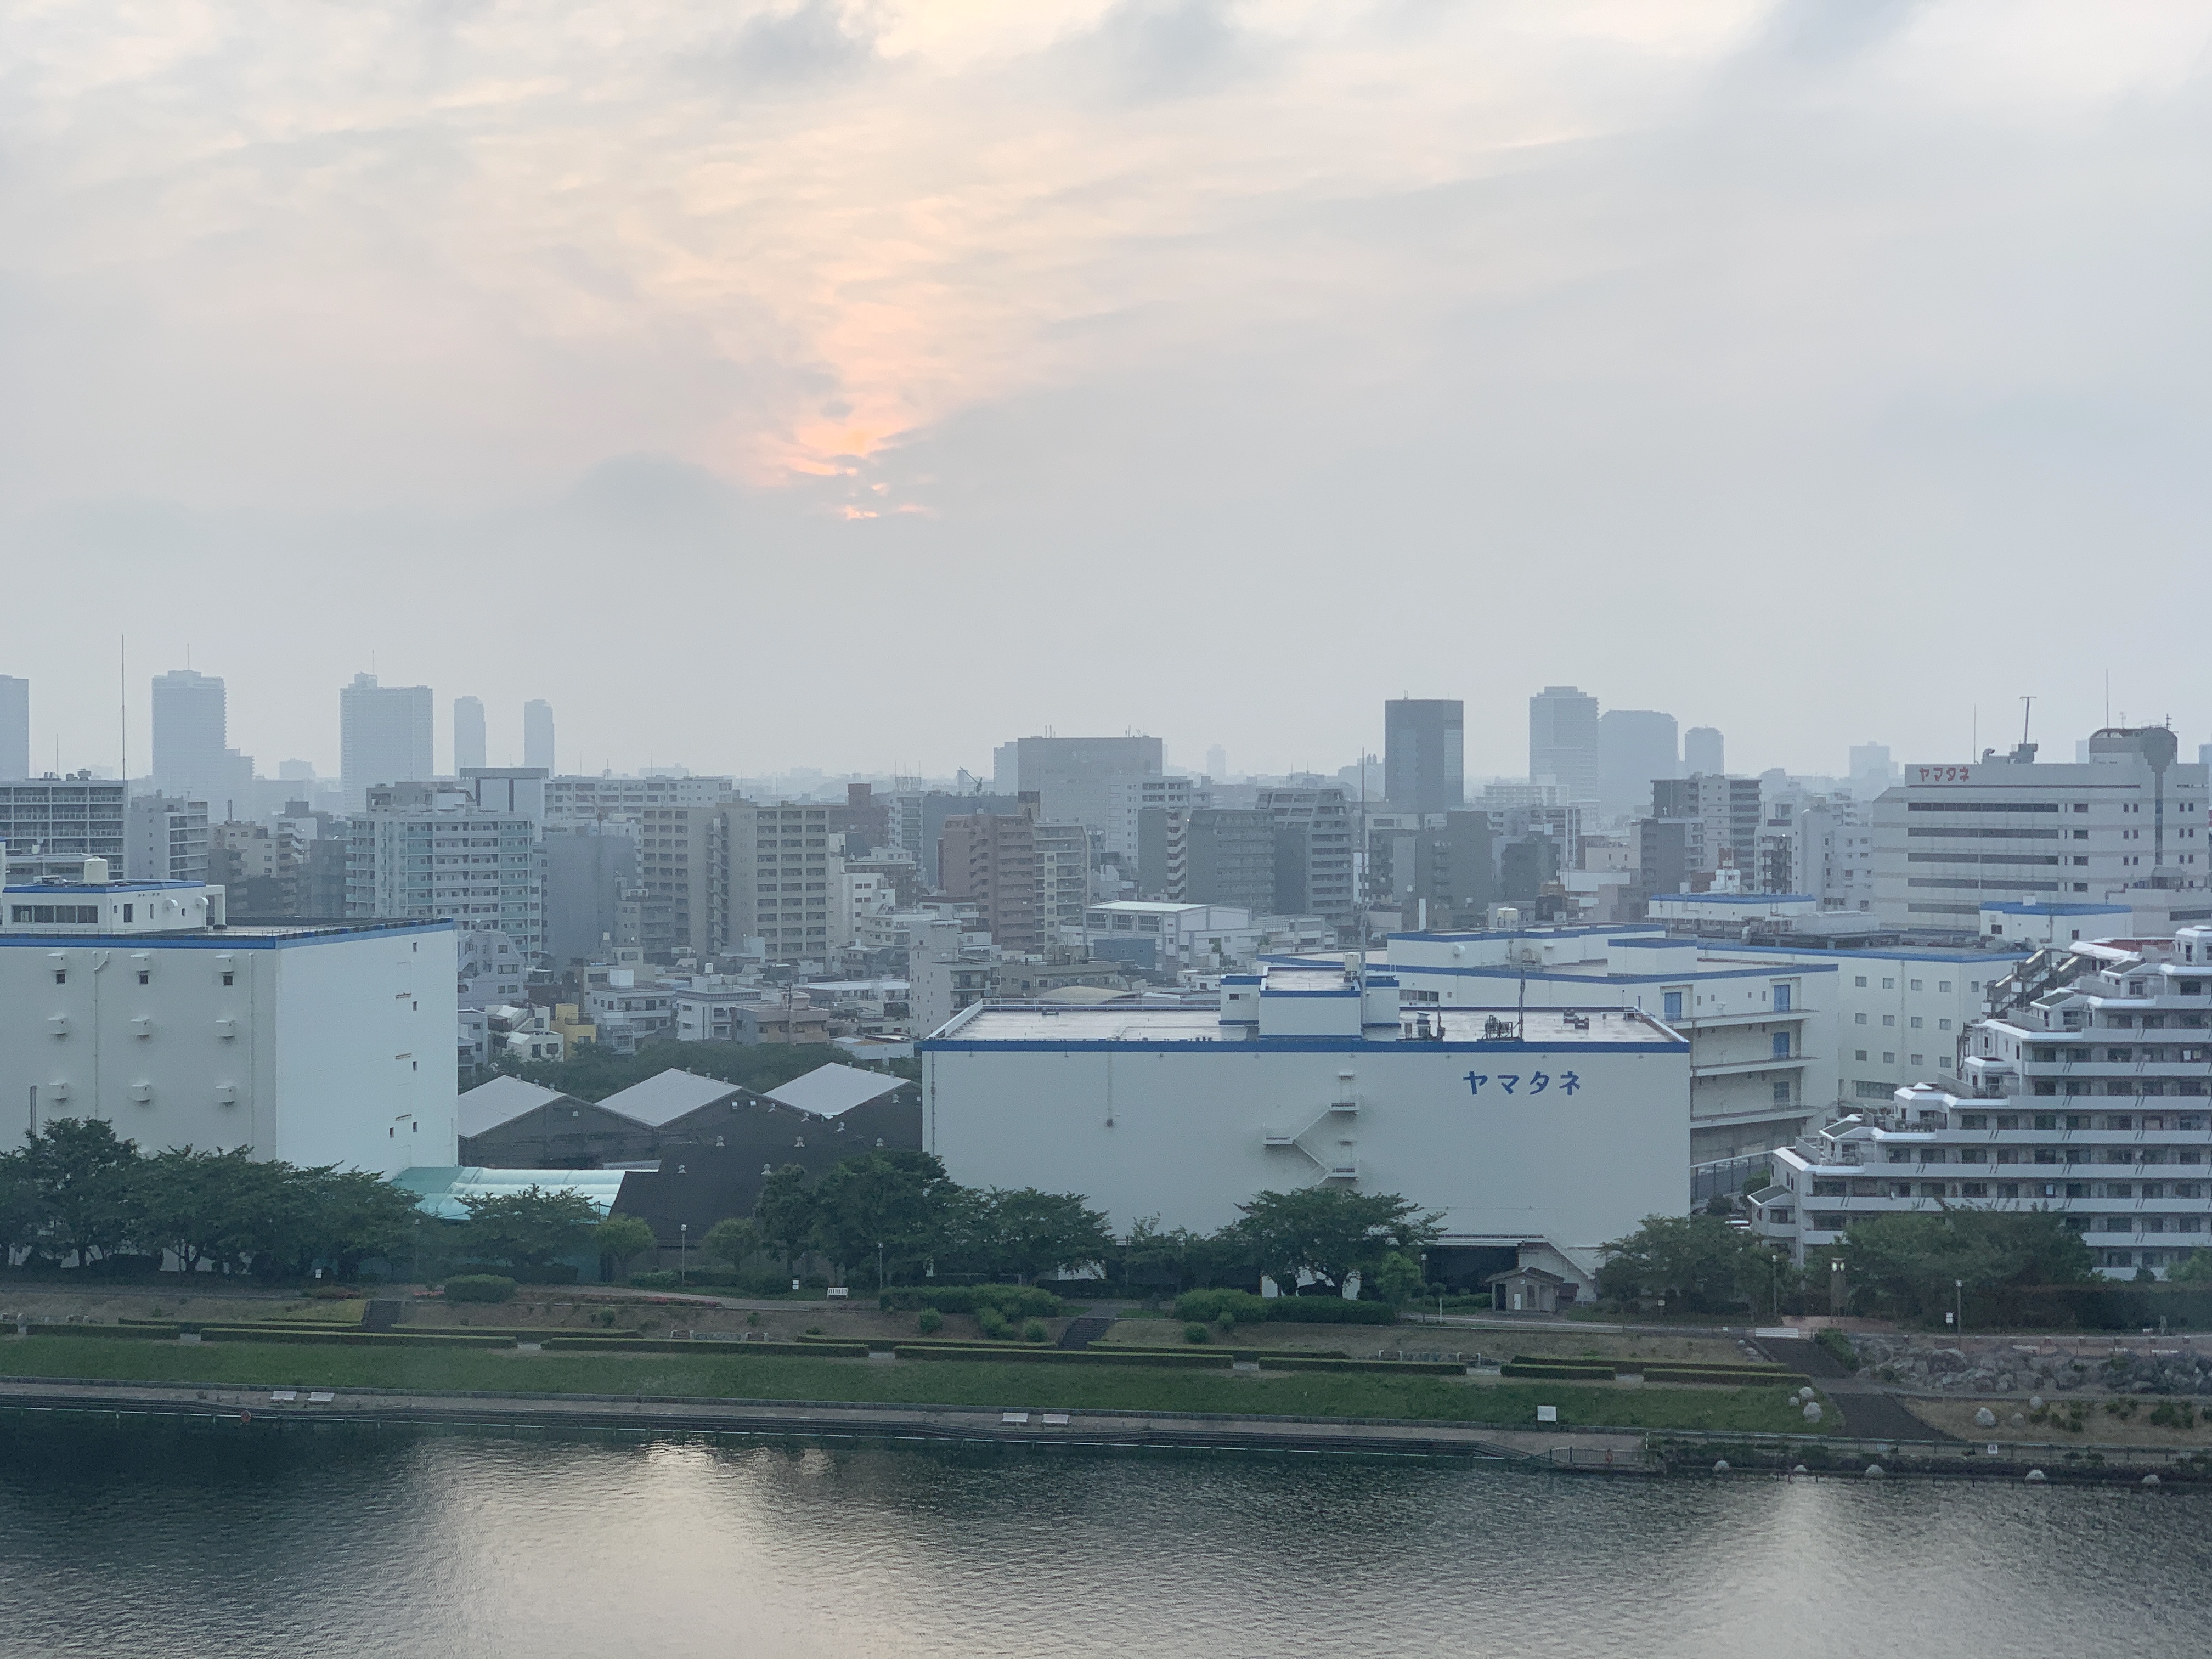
(151,1542)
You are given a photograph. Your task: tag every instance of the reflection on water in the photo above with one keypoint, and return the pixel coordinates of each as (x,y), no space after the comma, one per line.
(152,1542)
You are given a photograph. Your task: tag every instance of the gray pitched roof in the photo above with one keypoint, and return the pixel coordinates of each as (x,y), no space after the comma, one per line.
(829,1090)
(500,1101)
(667,1095)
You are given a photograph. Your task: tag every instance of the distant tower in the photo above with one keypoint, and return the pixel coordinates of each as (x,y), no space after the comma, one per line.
(1563,740)
(468,733)
(1423,754)
(1635,748)
(537,735)
(1217,763)
(384,736)
(1704,751)
(189,735)
(14,727)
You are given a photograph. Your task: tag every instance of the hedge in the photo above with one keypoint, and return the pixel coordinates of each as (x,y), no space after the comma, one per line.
(708,1346)
(2112,1305)
(558,1273)
(1008,1301)
(1556,1373)
(1205,1307)
(480,1287)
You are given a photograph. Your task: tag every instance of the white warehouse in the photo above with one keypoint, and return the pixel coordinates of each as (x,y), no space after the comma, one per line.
(1563,1133)
(317,1044)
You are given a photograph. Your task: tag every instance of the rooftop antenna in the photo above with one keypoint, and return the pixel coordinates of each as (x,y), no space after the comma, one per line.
(122,710)
(2026,708)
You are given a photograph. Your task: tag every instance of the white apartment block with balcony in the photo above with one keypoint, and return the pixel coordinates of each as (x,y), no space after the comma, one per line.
(424,851)
(2092,1099)
(577,803)
(1126,797)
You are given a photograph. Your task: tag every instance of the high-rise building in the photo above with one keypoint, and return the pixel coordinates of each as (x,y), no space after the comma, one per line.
(168,839)
(1563,742)
(1635,748)
(586,871)
(1703,750)
(1871,772)
(1424,753)
(74,817)
(419,851)
(384,736)
(469,734)
(1722,815)
(538,734)
(1069,775)
(1313,853)
(189,735)
(1217,763)
(1228,858)
(1028,879)
(14,727)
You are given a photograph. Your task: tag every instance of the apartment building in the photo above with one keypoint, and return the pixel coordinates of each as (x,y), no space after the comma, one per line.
(1128,799)
(2093,1100)
(782,880)
(1313,834)
(168,839)
(427,850)
(1029,880)
(575,802)
(70,817)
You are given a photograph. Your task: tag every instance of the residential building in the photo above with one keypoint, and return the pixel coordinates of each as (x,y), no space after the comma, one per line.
(1163,868)
(384,736)
(573,802)
(1313,834)
(257,867)
(782,881)
(1442,872)
(1424,753)
(949,970)
(70,817)
(1704,750)
(1721,815)
(1636,747)
(537,735)
(2088,1099)
(1308,1076)
(1128,799)
(468,733)
(168,839)
(1029,880)
(14,727)
(2128,823)
(516,791)
(586,870)
(1563,741)
(1228,858)
(140,1003)
(628,1013)
(1069,775)
(425,850)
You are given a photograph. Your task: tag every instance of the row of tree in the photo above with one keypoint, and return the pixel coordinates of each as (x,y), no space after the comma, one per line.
(1914,1265)
(899,1213)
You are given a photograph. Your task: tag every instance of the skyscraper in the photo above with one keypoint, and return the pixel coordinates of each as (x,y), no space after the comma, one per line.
(537,735)
(14,727)
(1635,747)
(1563,740)
(189,736)
(1704,751)
(468,733)
(384,736)
(1424,753)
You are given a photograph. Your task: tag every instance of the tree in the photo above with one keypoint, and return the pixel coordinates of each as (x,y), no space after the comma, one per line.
(785,1214)
(1917,1261)
(1331,1232)
(732,1240)
(624,1237)
(530,1228)
(84,1174)
(1697,1261)
(1026,1233)
(2195,1268)
(898,1202)
(201,1205)
(1398,1280)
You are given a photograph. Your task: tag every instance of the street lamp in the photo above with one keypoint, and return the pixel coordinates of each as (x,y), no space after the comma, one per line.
(879,1266)
(683,1252)
(1958,1305)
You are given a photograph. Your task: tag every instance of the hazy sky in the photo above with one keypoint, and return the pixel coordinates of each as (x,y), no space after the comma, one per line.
(861,384)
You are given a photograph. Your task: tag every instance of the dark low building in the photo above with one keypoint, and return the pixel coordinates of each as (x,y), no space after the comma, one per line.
(509,1124)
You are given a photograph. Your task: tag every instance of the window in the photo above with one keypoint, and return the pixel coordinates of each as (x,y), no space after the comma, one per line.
(1942,984)
(1858,1054)
(61,976)
(1672,1001)
(1782,1092)
(1914,985)
(1860,981)
(1889,985)
(1781,1045)
(1889,1057)
(1915,1022)
(1973,1120)
(1858,1019)
(145,977)
(229,978)
(2008,1189)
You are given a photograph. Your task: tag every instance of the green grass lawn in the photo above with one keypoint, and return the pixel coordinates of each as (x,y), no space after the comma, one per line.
(948,1383)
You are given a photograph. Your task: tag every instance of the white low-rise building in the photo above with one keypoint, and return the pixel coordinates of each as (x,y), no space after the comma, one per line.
(316,1043)
(1552,1133)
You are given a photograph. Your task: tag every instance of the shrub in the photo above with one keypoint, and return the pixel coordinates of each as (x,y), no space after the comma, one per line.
(1007,1301)
(929,1320)
(1193,1332)
(334,1292)
(1246,1309)
(1227,1323)
(656,1278)
(480,1287)
(1033,1331)
(1837,1344)
(992,1322)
